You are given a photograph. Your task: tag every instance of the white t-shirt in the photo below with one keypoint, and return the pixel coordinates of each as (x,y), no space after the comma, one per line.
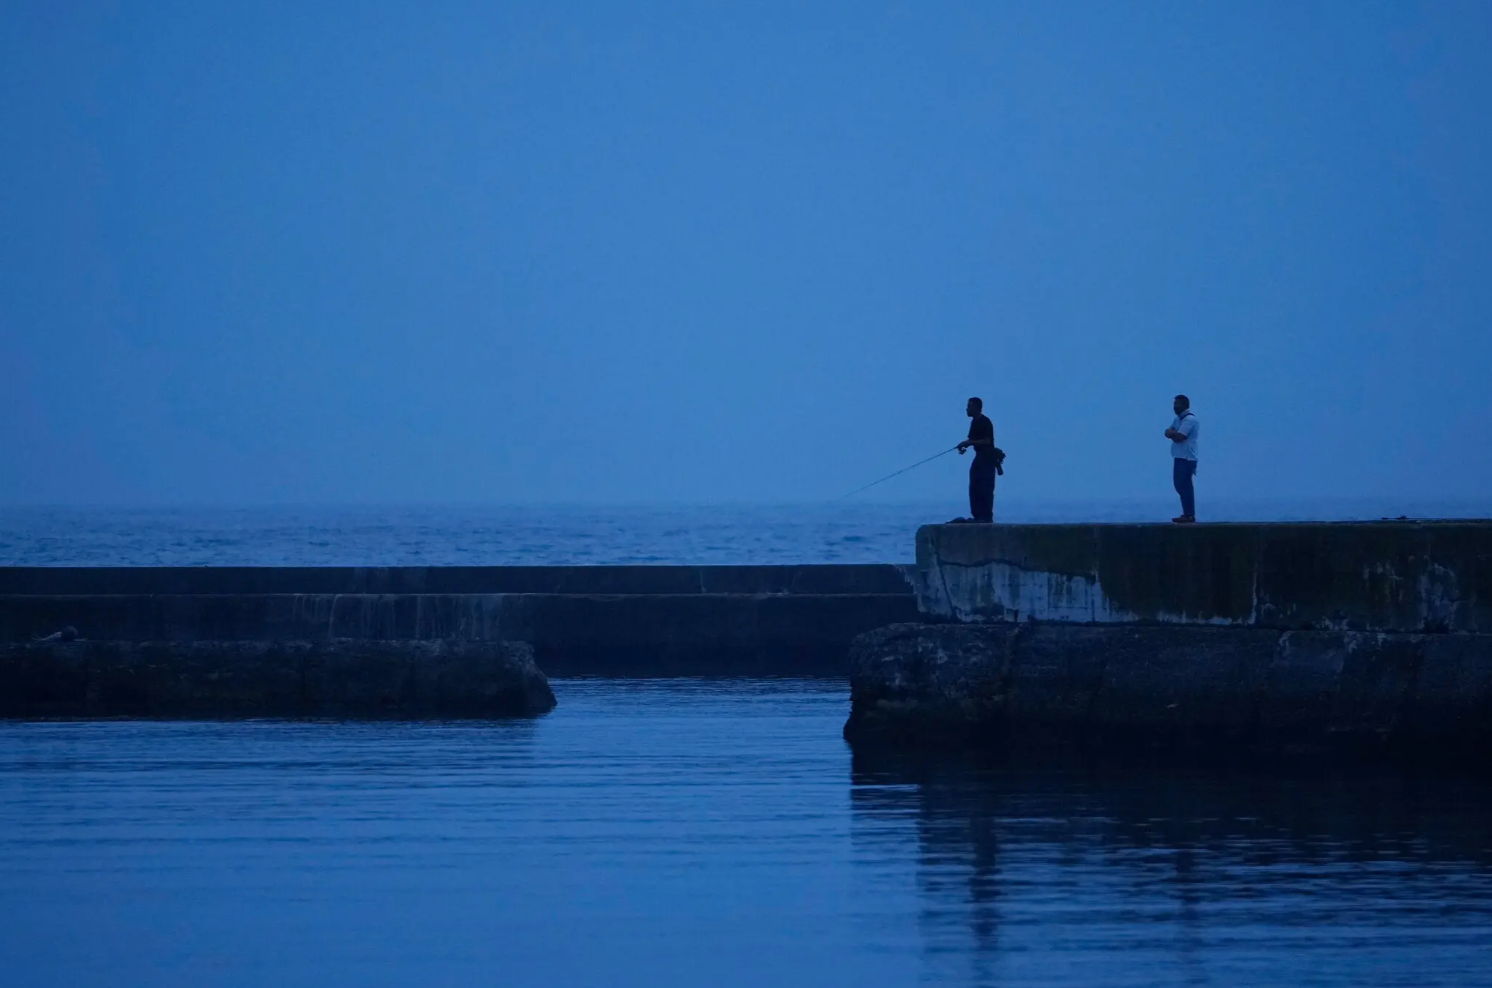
(1186,424)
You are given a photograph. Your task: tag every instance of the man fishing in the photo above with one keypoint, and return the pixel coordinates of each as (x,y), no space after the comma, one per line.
(986,462)
(989,460)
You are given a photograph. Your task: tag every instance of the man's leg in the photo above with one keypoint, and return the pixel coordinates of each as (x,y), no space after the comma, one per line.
(1181,479)
(982,494)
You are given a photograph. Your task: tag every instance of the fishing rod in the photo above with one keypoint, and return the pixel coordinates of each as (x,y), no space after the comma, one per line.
(898,473)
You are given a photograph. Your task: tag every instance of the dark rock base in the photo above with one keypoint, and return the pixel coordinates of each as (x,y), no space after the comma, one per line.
(995,685)
(210,679)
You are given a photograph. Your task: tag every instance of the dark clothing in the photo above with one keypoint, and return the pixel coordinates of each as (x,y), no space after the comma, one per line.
(1181,477)
(982,434)
(982,470)
(982,489)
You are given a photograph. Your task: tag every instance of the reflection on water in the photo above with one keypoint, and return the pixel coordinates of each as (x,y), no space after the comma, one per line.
(711,834)
(1143,874)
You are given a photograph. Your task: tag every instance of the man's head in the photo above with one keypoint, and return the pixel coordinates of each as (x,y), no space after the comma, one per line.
(1181,404)
(975,406)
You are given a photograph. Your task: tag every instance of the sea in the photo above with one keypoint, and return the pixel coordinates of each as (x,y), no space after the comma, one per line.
(688,832)
(586,535)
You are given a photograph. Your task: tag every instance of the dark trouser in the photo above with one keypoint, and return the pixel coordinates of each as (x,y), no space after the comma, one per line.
(982,491)
(1181,476)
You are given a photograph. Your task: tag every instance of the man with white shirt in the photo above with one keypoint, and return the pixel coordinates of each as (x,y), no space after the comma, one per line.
(1183,435)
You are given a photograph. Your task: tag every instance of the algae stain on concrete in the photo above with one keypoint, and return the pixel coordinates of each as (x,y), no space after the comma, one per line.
(1085,574)
(1392,576)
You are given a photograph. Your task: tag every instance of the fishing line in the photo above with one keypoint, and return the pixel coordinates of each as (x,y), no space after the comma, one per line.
(898,473)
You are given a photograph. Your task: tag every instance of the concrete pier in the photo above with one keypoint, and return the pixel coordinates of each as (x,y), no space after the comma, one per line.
(1361,635)
(74,581)
(1384,576)
(579,621)
(1367,635)
(216,679)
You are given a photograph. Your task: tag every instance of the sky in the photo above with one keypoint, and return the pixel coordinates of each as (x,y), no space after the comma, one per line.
(373,252)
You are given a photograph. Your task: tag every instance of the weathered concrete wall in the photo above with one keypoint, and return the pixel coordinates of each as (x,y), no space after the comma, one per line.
(272,679)
(1390,576)
(1005,683)
(788,624)
(141,580)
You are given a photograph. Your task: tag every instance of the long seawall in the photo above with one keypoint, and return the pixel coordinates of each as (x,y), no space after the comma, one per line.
(228,622)
(1369,635)
(1373,635)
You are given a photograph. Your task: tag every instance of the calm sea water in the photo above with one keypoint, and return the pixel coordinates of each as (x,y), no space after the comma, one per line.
(708,833)
(848,532)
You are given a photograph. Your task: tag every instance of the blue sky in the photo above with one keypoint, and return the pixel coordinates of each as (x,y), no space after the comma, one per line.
(509,252)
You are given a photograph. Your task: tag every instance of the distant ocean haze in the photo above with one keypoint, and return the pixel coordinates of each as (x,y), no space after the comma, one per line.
(473,535)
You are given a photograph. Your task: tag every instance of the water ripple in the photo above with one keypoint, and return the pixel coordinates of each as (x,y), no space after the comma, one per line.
(707,833)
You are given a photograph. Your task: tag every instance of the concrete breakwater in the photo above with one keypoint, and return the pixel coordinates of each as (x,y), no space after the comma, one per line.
(1376,576)
(228,622)
(1365,635)
(337,678)
(1274,635)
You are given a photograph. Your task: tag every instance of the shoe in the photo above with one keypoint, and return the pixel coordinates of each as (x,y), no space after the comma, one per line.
(1185,520)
